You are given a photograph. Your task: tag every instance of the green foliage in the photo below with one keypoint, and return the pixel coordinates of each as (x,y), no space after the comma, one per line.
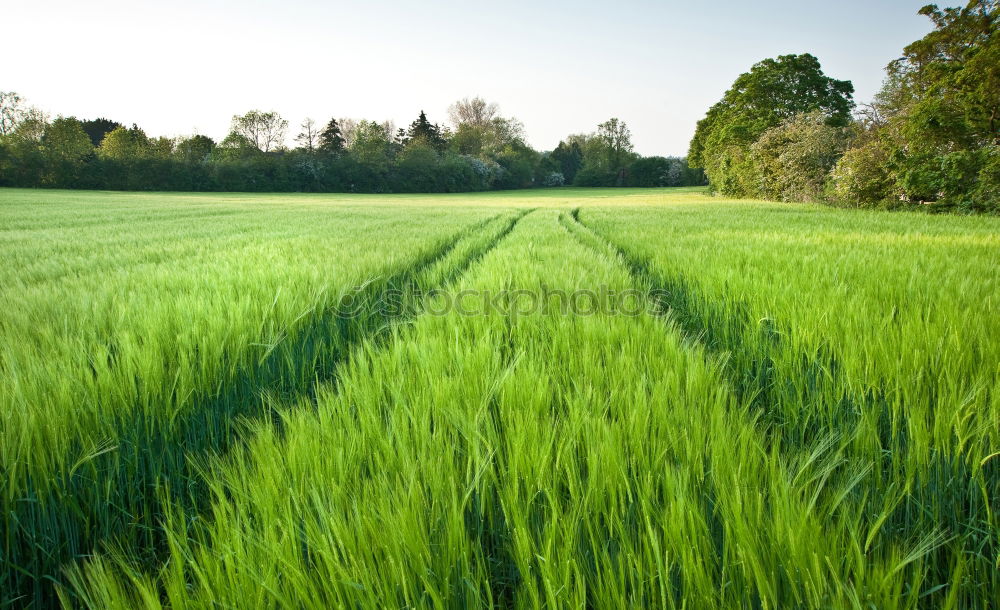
(263,131)
(569,156)
(424,132)
(606,154)
(331,141)
(518,162)
(481,132)
(663,171)
(650,171)
(863,175)
(372,148)
(236,147)
(773,91)
(792,160)
(123,144)
(935,126)
(485,151)
(616,141)
(65,147)
(196,149)
(595,175)
(64,140)
(930,136)
(22,162)
(98,128)
(417,166)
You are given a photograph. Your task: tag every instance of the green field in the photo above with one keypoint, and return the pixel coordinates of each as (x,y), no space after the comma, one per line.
(274,401)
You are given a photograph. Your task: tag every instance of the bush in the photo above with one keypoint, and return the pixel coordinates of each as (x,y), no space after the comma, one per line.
(862,177)
(595,176)
(791,161)
(650,171)
(554,179)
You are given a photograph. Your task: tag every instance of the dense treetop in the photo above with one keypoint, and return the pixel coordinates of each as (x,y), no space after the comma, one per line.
(931,135)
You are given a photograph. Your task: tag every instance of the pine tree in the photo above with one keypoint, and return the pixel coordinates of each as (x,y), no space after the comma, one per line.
(425,131)
(331,141)
(570,158)
(98,128)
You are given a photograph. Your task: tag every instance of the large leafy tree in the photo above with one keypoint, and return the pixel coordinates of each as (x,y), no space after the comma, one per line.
(19,121)
(616,140)
(264,131)
(773,91)
(22,162)
(372,145)
(196,149)
(123,144)
(933,132)
(607,154)
(951,77)
(65,140)
(65,146)
(474,111)
(480,131)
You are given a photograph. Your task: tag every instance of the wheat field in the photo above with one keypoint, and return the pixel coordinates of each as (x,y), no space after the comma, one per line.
(593,398)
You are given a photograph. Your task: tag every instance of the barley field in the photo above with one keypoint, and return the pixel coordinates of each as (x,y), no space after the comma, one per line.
(565,398)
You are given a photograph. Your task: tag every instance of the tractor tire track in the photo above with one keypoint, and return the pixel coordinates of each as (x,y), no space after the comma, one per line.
(744,346)
(120,494)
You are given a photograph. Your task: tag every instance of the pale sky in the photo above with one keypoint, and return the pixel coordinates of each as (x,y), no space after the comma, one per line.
(178,67)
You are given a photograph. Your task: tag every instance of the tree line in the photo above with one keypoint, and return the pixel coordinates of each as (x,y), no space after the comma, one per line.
(786,131)
(479,150)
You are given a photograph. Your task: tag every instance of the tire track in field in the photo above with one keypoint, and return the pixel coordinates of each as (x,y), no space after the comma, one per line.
(748,365)
(752,373)
(758,385)
(121,495)
(435,275)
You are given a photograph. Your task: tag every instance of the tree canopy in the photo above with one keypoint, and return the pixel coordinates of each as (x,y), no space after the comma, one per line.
(264,131)
(423,131)
(485,150)
(772,91)
(331,140)
(98,128)
(933,132)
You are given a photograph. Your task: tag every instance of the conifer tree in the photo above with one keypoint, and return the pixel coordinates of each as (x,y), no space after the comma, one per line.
(331,140)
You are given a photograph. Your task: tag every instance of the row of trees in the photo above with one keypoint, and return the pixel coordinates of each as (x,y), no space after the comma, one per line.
(787,131)
(480,150)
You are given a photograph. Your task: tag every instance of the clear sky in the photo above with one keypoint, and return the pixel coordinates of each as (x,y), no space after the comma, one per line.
(178,67)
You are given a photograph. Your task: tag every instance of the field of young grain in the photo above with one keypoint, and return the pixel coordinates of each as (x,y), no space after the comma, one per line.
(565,398)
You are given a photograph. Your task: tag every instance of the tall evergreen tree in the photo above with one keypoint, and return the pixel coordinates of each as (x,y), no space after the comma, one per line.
(331,140)
(570,158)
(96,129)
(425,131)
